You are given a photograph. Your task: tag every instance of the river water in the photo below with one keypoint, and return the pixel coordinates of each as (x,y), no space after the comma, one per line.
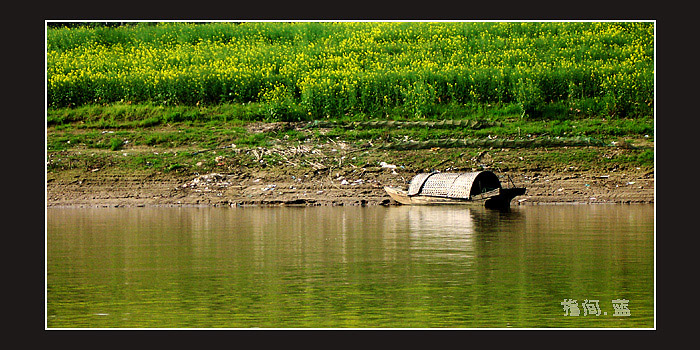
(562,266)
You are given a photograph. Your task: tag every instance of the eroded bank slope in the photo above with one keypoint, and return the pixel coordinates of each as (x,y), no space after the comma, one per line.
(339,174)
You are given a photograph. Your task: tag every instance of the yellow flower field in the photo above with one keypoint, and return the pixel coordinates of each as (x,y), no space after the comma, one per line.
(371,68)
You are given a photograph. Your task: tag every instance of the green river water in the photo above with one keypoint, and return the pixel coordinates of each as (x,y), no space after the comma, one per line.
(351,267)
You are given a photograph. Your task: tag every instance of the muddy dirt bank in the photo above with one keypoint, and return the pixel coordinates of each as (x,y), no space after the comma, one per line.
(112,188)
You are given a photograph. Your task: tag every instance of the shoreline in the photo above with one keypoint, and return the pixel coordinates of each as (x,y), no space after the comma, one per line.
(112,189)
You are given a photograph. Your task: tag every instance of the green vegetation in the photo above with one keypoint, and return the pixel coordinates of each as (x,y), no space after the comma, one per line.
(116,144)
(314,70)
(151,95)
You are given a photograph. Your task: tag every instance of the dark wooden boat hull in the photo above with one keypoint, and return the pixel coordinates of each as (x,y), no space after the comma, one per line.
(503,199)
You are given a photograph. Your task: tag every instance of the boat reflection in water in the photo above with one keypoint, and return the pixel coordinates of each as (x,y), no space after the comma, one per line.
(448,231)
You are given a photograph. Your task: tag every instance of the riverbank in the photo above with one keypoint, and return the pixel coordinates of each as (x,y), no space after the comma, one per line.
(281,163)
(113,190)
(338,174)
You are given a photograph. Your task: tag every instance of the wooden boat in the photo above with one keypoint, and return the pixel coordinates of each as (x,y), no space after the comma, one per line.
(482,187)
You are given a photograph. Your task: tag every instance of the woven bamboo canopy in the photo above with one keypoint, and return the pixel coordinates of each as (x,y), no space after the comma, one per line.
(453,185)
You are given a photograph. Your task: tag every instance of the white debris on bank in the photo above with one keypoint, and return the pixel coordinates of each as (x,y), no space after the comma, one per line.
(208,182)
(386,165)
